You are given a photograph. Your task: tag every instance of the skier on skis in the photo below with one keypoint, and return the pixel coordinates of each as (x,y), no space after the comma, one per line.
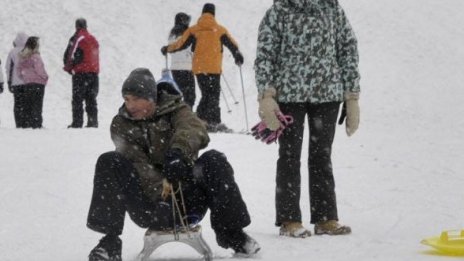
(181,61)
(207,39)
(157,137)
(1,77)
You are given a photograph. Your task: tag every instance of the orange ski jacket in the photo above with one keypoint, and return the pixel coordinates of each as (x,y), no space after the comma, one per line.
(207,39)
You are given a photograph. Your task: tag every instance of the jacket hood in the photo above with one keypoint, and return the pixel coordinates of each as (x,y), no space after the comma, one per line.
(20,40)
(305,4)
(26,52)
(206,20)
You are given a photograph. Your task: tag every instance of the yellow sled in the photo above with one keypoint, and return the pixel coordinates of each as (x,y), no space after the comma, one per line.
(449,242)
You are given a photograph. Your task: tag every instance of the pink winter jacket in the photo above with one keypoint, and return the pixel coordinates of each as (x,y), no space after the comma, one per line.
(31,69)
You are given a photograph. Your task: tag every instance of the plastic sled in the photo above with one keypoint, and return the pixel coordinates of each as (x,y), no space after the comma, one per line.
(449,242)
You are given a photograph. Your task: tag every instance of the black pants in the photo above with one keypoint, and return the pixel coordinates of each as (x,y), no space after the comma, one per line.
(186,83)
(28,104)
(208,109)
(84,89)
(322,121)
(117,190)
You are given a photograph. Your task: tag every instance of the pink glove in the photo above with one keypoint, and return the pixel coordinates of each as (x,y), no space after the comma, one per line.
(261,132)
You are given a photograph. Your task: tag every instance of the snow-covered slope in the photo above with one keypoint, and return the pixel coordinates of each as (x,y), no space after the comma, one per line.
(398,179)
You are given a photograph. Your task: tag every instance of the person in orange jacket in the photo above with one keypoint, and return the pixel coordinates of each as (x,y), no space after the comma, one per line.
(207,39)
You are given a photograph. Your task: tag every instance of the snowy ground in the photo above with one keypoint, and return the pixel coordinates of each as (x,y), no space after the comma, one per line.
(398,179)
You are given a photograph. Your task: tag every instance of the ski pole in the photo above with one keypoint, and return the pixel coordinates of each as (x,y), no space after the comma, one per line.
(230,90)
(243,94)
(225,100)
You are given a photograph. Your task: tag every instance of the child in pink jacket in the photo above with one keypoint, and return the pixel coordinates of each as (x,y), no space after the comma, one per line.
(32,71)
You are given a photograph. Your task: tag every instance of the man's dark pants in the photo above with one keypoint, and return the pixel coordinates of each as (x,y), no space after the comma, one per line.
(208,109)
(117,190)
(84,89)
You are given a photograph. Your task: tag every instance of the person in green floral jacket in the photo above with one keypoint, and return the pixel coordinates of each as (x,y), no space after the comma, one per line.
(306,66)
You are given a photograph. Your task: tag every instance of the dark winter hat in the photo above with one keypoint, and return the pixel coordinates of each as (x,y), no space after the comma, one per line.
(81,23)
(182,19)
(140,83)
(208,8)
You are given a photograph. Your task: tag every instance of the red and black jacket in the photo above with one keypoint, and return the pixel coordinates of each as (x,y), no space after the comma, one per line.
(82,53)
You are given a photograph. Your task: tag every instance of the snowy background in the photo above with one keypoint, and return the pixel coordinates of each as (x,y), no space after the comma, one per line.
(399,178)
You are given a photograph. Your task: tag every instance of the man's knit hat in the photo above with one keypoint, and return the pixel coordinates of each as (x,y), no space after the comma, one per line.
(208,8)
(140,83)
(81,23)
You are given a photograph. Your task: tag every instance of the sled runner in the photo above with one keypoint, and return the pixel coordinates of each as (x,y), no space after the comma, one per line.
(184,232)
(191,237)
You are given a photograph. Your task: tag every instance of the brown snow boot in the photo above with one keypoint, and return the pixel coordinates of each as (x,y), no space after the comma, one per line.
(294,229)
(331,227)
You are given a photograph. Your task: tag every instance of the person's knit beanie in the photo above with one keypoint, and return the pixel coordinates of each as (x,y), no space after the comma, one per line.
(182,19)
(81,23)
(140,83)
(208,8)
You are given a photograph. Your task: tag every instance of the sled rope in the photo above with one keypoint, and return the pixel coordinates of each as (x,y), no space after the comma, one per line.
(176,210)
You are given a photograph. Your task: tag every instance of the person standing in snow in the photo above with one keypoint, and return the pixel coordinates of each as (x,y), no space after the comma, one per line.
(16,84)
(1,77)
(207,39)
(32,72)
(181,61)
(306,66)
(81,60)
(157,139)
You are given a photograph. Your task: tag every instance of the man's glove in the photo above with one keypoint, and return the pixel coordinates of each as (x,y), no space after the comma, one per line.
(164,50)
(342,114)
(1,87)
(10,87)
(167,189)
(238,59)
(175,167)
(68,68)
(268,109)
(352,112)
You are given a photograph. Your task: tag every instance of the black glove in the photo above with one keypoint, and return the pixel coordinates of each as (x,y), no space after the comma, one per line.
(238,59)
(164,50)
(10,87)
(342,115)
(1,87)
(175,166)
